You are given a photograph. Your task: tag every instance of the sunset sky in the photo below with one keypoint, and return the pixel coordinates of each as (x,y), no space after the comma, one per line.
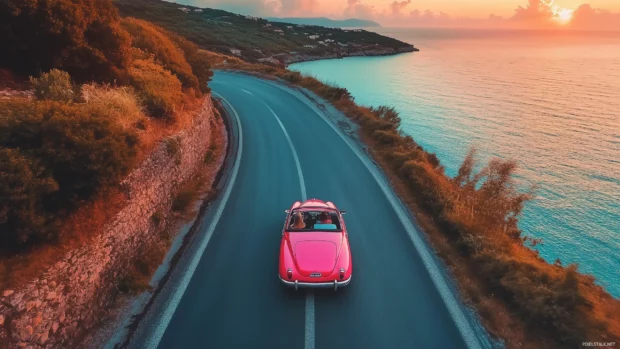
(577,14)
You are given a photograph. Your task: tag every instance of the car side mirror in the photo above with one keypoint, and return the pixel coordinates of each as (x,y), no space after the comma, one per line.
(287,211)
(343,212)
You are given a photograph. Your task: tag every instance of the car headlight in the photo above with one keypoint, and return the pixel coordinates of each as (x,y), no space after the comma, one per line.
(289,273)
(341,273)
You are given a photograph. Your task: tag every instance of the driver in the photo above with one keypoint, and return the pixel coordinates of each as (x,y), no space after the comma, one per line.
(325,218)
(298,221)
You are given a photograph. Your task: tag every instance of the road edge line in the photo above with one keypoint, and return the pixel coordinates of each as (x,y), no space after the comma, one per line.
(159,330)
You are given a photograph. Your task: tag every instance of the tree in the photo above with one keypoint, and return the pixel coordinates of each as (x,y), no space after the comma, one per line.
(81,37)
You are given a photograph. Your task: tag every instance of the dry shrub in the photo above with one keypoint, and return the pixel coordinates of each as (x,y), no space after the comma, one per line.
(55,85)
(157,41)
(115,103)
(160,90)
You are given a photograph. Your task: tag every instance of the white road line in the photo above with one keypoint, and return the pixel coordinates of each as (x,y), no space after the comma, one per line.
(302,184)
(454,308)
(160,328)
(309,311)
(309,332)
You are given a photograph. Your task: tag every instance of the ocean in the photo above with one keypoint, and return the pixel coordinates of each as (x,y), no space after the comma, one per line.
(549,100)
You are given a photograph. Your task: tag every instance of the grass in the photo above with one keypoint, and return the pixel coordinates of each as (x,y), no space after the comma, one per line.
(120,104)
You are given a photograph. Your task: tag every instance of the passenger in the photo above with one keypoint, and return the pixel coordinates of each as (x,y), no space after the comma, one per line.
(325,218)
(298,221)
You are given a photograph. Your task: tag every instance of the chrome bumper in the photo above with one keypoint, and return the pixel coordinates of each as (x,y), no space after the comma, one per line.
(335,284)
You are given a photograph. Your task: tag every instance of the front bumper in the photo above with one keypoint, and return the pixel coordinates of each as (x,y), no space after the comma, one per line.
(334,284)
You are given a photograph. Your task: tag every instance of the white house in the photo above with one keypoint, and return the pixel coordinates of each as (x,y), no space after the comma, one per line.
(313,37)
(198,10)
(235,51)
(186,10)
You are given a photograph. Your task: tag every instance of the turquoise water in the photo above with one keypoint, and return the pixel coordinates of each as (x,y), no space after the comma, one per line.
(549,101)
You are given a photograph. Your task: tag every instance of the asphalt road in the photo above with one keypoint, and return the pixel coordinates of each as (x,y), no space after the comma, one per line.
(227,293)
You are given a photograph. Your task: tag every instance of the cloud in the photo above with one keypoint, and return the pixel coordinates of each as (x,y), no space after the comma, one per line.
(535,11)
(297,7)
(359,9)
(397,6)
(586,17)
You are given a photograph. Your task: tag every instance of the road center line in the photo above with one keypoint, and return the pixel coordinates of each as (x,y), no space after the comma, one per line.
(309,311)
(309,332)
(302,184)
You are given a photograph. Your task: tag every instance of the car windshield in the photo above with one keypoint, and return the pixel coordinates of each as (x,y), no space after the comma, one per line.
(314,220)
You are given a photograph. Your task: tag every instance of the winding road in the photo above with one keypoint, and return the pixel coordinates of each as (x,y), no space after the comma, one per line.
(225,293)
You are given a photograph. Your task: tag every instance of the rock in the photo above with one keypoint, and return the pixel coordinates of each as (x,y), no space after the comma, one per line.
(62,318)
(43,337)
(1,320)
(37,320)
(22,344)
(25,332)
(55,327)
(29,305)
(50,296)
(7,293)
(53,284)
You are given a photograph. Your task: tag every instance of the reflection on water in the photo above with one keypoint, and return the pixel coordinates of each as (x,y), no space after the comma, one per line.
(549,100)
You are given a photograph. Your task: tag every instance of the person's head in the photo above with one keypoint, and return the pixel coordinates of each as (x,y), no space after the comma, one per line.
(325,217)
(299,219)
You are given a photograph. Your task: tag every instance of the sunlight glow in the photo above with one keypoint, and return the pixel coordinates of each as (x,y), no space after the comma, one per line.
(563,15)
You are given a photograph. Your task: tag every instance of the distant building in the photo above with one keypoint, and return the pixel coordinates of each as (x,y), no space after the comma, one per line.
(313,37)
(321,42)
(357,30)
(186,10)
(310,46)
(343,45)
(289,26)
(198,10)
(267,25)
(252,18)
(235,51)
(278,30)
(329,40)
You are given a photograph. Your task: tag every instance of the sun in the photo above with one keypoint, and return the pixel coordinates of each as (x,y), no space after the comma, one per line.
(563,15)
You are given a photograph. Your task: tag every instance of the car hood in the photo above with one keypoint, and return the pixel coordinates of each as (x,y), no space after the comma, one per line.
(316,256)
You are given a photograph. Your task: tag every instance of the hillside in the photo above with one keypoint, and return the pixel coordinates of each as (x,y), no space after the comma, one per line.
(326,22)
(256,39)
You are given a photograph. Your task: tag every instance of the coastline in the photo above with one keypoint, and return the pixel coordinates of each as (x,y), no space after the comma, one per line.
(288,59)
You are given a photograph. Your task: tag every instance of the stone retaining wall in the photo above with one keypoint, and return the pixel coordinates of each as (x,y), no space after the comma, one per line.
(68,299)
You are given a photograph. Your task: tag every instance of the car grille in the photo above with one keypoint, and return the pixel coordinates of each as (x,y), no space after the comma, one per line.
(315,275)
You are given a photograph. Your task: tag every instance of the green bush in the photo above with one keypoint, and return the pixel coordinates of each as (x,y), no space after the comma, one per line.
(160,89)
(156,41)
(55,85)
(60,155)
(24,186)
(81,37)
